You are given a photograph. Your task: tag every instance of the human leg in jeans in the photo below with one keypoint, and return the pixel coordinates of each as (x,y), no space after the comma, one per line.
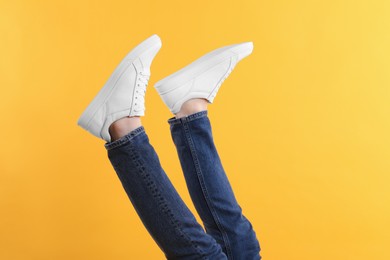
(114,115)
(184,92)
(209,186)
(156,201)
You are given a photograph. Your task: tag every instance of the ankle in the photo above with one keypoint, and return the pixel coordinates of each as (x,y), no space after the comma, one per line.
(192,106)
(123,126)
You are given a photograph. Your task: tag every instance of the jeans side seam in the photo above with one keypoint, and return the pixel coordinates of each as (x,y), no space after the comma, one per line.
(151,185)
(195,160)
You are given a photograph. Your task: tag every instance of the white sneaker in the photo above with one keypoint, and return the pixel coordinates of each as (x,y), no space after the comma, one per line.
(203,77)
(124,92)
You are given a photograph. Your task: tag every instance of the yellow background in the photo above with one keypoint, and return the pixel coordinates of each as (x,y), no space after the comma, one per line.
(302,125)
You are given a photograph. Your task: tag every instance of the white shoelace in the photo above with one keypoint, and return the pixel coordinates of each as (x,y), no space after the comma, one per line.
(140,90)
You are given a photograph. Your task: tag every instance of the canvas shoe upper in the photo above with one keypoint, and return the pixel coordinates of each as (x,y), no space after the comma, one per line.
(203,77)
(124,92)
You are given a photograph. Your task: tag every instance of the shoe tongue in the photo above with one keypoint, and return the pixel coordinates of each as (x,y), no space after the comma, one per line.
(140,67)
(146,71)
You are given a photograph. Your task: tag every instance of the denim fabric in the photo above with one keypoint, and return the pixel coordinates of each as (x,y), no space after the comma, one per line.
(229,234)
(210,189)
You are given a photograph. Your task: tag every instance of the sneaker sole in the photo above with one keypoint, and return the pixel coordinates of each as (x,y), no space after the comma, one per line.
(102,96)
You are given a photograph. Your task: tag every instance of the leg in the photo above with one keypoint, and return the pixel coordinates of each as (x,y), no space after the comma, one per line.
(164,214)
(161,209)
(208,184)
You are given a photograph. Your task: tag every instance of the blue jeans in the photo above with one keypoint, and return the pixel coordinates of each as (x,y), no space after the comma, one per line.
(229,234)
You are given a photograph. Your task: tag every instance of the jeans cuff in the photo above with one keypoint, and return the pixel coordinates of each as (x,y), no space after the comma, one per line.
(174,120)
(124,139)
